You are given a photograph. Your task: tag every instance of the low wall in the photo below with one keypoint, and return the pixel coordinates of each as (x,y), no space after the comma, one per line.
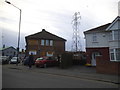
(107,67)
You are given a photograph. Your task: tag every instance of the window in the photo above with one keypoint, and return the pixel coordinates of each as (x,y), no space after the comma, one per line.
(112,54)
(42,42)
(118,54)
(32,52)
(115,54)
(49,53)
(94,37)
(51,42)
(47,42)
(114,35)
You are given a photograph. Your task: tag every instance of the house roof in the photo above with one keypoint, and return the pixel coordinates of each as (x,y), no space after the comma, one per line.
(44,35)
(7,48)
(114,21)
(103,27)
(99,29)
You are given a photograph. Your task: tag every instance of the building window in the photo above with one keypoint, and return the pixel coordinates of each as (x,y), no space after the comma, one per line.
(118,54)
(32,52)
(115,54)
(112,57)
(42,42)
(47,42)
(114,35)
(51,42)
(94,37)
(49,54)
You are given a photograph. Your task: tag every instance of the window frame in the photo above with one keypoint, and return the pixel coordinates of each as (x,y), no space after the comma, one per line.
(47,43)
(42,42)
(94,37)
(51,43)
(113,36)
(115,53)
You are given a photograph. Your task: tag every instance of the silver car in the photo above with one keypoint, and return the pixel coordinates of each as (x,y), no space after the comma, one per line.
(14,60)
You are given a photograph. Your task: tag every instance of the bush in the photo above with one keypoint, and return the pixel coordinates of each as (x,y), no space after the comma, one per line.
(66,60)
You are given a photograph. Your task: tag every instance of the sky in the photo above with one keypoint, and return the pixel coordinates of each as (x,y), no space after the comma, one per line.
(55,16)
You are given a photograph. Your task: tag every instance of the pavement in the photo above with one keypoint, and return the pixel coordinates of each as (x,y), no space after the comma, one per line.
(82,72)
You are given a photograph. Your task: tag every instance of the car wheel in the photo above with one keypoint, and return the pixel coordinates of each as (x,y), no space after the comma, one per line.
(45,65)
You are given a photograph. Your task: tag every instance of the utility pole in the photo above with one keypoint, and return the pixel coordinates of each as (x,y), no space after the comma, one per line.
(19,29)
(76,45)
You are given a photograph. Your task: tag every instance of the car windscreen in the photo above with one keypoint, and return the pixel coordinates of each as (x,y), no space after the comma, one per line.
(40,59)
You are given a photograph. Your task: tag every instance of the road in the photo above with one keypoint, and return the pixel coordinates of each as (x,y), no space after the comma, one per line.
(15,78)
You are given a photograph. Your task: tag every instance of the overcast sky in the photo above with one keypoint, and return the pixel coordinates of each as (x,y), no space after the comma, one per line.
(56,16)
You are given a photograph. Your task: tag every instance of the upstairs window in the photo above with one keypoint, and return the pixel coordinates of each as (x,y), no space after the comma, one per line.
(51,42)
(47,42)
(114,35)
(94,37)
(42,42)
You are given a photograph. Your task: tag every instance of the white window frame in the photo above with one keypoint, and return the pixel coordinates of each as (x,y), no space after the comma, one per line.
(112,37)
(47,42)
(51,42)
(42,42)
(115,53)
(94,37)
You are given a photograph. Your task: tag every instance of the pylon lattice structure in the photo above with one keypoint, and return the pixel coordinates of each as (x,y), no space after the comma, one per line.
(76,44)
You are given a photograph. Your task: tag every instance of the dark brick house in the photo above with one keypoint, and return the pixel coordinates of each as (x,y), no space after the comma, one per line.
(44,44)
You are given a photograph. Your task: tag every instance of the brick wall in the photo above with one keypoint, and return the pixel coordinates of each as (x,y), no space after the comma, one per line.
(58,48)
(104,51)
(106,66)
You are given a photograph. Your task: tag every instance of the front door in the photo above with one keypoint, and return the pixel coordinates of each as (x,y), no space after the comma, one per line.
(94,54)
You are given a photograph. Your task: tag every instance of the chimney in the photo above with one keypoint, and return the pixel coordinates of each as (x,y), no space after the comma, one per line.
(43,29)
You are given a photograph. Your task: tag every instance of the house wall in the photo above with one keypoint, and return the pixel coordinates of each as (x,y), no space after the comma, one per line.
(59,47)
(114,44)
(102,39)
(107,67)
(9,52)
(104,52)
(42,50)
(115,26)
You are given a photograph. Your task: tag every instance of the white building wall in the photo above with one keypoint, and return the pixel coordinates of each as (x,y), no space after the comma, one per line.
(114,43)
(102,40)
(115,26)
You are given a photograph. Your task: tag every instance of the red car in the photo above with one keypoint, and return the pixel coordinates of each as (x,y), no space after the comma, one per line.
(45,61)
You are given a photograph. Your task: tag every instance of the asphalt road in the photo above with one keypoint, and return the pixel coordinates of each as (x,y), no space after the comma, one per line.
(15,78)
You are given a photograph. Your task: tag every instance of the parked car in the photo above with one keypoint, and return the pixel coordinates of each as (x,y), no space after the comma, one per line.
(14,60)
(4,59)
(45,62)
